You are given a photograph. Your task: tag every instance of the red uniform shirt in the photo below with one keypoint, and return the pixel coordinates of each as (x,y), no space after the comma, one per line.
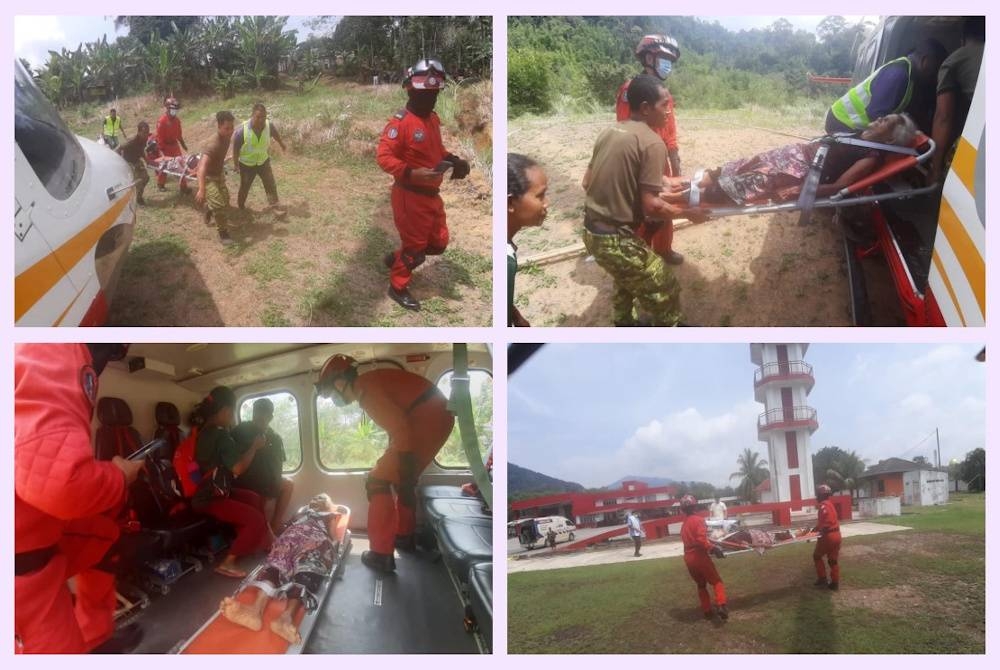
(694,535)
(168,134)
(387,396)
(409,141)
(828,521)
(56,478)
(668,133)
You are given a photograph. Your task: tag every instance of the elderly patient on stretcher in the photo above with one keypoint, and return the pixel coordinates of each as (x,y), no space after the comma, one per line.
(779,174)
(301,558)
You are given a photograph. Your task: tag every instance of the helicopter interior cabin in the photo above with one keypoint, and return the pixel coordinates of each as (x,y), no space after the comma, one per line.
(439,600)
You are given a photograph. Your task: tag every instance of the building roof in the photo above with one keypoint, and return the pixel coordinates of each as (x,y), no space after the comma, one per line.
(891,466)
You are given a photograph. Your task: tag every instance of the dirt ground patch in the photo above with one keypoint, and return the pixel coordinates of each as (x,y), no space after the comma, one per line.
(765,270)
(321,263)
(890,600)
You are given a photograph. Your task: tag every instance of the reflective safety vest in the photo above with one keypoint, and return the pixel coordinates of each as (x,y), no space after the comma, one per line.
(852,108)
(254,149)
(111,128)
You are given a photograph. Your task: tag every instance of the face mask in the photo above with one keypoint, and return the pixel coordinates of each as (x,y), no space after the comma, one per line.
(663,67)
(172,112)
(422,102)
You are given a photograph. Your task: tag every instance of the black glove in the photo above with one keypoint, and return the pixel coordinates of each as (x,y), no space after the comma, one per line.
(462,168)
(675,162)
(717,552)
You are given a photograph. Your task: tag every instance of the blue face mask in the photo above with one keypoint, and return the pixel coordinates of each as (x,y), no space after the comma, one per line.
(663,67)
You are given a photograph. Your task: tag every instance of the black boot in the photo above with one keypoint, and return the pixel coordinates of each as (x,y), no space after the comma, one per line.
(406,543)
(820,582)
(672,258)
(389,259)
(723,612)
(384,563)
(122,642)
(834,586)
(224,237)
(404,299)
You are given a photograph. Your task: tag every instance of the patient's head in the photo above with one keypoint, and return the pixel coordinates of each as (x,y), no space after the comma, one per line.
(321,503)
(898,129)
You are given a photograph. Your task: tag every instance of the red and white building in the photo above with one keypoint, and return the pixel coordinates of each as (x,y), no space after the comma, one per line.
(592,509)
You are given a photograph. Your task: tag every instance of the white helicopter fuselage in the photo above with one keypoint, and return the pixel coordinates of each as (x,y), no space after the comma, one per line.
(69,253)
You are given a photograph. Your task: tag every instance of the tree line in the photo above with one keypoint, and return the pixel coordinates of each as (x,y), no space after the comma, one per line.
(583,60)
(186,55)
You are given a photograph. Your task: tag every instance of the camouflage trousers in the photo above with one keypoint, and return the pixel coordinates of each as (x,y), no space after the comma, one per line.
(217,200)
(641,279)
(141,177)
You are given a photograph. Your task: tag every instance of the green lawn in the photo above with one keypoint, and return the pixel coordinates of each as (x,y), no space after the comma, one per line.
(914,591)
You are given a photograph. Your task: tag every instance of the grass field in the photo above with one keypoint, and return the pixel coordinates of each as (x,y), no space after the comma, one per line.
(915,591)
(321,264)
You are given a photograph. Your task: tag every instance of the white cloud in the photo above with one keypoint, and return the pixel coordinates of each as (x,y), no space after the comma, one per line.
(916,402)
(684,445)
(31,29)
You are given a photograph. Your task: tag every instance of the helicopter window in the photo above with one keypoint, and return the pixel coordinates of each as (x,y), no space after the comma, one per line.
(285,423)
(452,455)
(51,149)
(348,438)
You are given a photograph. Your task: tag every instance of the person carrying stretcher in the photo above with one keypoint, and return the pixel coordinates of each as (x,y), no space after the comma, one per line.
(414,414)
(300,559)
(828,527)
(65,504)
(697,548)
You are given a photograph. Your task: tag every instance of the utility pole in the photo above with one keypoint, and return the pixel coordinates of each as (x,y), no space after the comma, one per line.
(937,437)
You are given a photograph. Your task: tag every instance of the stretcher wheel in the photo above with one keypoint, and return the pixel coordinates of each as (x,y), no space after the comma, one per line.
(198,566)
(164,589)
(572,536)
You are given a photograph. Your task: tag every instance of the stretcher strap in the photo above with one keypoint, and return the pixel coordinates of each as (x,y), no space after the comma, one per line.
(461,404)
(807,197)
(890,148)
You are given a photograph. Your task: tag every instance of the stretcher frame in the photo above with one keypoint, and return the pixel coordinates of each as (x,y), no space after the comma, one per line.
(308,622)
(901,159)
(803,535)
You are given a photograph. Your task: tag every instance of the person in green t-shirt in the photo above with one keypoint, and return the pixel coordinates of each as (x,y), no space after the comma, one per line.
(527,206)
(220,462)
(264,474)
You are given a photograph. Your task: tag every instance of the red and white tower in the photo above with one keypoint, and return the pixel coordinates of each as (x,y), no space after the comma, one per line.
(782,382)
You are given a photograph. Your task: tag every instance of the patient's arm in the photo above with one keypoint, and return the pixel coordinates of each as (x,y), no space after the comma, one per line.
(856,172)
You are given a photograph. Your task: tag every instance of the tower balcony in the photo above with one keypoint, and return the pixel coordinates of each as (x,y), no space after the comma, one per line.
(784,374)
(787,418)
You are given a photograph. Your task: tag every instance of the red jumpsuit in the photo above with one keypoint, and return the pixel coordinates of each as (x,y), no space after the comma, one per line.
(694,534)
(829,541)
(64,503)
(168,139)
(660,238)
(415,415)
(409,142)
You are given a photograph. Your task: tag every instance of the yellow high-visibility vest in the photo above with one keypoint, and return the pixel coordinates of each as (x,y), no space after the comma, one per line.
(852,108)
(112,127)
(254,149)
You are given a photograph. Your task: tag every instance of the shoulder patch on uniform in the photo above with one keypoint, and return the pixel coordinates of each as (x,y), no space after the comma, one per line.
(393,133)
(88,382)
(400,114)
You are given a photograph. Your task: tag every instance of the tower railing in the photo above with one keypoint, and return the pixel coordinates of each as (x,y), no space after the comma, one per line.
(798,415)
(782,370)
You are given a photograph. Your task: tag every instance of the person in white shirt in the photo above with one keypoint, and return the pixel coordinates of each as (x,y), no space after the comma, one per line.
(635,530)
(717,510)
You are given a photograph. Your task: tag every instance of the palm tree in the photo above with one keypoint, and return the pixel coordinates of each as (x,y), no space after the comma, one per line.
(753,471)
(845,471)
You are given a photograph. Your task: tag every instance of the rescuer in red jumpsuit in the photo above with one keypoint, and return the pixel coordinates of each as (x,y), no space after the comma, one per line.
(169,137)
(414,413)
(412,152)
(658,53)
(697,548)
(828,527)
(65,503)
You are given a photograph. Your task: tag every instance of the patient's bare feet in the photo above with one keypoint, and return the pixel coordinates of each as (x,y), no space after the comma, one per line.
(240,614)
(285,628)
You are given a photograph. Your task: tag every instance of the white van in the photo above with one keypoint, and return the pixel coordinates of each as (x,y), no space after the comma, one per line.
(563,527)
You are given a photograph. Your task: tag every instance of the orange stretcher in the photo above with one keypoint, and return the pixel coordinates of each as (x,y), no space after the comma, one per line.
(221,636)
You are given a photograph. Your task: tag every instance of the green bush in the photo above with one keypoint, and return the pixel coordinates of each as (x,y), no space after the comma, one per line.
(528,79)
(604,79)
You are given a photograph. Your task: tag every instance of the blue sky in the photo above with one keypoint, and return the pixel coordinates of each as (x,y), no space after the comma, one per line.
(592,413)
(35,35)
